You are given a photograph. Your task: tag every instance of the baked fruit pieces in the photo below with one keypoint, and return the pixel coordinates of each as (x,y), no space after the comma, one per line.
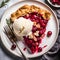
(40,18)
(24,10)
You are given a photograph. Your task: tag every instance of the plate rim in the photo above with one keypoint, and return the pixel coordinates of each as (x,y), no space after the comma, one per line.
(51,11)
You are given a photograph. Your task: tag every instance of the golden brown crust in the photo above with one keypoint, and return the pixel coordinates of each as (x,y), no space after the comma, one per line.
(28,9)
(34,8)
(13,16)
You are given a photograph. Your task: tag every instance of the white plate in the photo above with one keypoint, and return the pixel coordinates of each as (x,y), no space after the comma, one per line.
(51,26)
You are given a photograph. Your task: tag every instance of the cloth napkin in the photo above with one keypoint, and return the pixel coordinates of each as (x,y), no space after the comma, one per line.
(56,46)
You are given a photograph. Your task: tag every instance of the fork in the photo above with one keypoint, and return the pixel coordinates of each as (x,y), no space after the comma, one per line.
(13,41)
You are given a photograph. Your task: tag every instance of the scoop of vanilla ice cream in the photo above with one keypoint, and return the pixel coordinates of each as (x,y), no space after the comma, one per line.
(22,26)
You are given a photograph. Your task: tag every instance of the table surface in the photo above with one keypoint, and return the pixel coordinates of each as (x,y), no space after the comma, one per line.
(3,52)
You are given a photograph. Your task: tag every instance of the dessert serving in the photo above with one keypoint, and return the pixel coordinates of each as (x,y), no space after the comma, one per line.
(29,28)
(29,25)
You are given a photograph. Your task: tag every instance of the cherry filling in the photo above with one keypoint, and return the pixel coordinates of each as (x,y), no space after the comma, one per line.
(56,2)
(13,47)
(49,33)
(38,31)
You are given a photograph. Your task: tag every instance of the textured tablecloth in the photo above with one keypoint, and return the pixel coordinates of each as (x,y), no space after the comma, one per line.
(5,55)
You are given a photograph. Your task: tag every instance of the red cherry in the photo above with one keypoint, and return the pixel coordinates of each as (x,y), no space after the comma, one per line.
(26,16)
(42,31)
(24,49)
(33,50)
(27,42)
(39,49)
(58,3)
(43,25)
(13,47)
(34,29)
(32,18)
(37,44)
(33,44)
(45,21)
(44,46)
(39,40)
(41,22)
(37,20)
(33,13)
(55,1)
(29,45)
(30,41)
(49,33)
(36,48)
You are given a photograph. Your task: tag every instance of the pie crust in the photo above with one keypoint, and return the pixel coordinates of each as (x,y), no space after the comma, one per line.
(26,9)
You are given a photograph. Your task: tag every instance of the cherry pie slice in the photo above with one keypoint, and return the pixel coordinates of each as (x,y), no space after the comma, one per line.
(40,18)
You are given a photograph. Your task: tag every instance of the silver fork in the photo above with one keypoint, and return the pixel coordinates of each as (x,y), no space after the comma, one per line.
(13,41)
